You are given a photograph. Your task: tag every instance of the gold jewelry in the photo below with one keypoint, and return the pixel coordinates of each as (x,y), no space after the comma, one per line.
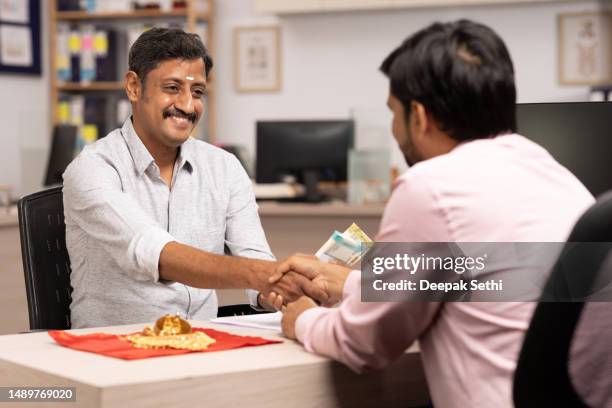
(170,332)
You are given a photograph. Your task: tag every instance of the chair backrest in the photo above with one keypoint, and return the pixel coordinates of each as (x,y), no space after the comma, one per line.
(46,264)
(542,375)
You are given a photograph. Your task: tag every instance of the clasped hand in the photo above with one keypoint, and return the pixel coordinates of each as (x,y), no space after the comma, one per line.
(304,275)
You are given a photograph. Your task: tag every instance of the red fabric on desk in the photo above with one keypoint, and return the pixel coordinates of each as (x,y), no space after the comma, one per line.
(110,344)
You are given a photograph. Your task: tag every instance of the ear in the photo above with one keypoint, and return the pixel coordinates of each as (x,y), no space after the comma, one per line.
(419,120)
(133,87)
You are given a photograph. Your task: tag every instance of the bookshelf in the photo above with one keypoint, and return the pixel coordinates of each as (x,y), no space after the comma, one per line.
(190,16)
(92,86)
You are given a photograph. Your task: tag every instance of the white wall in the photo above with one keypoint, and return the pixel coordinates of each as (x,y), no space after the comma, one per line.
(24,122)
(330,64)
(330,61)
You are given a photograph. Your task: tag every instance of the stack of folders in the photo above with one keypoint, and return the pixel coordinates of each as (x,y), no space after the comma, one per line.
(94,115)
(95,5)
(86,53)
(110,6)
(88,113)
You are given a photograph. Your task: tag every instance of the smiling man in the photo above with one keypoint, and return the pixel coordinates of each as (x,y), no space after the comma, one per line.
(151,211)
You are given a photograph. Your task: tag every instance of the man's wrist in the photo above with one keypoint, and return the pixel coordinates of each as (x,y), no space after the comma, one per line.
(260,271)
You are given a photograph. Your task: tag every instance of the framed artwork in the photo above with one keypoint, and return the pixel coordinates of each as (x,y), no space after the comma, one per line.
(20,36)
(257,66)
(585,48)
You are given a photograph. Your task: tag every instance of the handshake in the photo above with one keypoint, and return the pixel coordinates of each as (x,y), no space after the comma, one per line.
(320,277)
(304,275)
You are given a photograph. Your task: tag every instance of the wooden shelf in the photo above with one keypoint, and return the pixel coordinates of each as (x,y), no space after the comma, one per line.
(92,86)
(84,15)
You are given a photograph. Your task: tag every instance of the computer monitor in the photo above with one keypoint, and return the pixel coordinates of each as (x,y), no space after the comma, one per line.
(63,144)
(577,134)
(311,151)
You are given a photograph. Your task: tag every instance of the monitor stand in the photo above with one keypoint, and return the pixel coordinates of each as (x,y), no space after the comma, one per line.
(311,181)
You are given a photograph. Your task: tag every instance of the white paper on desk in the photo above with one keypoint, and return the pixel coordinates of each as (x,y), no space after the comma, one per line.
(268,321)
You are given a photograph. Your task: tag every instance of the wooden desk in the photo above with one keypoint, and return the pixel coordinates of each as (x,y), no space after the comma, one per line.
(277,375)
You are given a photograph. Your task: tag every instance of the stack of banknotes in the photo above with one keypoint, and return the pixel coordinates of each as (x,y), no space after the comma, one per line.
(346,247)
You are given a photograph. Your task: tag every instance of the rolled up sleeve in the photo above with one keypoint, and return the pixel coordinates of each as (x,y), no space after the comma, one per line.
(95,203)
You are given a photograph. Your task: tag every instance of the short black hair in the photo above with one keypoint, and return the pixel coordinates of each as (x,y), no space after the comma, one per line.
(161,44)
(462,73)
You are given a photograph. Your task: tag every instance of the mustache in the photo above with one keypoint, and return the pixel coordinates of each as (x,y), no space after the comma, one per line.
(179,113)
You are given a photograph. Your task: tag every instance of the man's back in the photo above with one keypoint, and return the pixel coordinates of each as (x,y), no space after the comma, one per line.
(504,189)
(453,101)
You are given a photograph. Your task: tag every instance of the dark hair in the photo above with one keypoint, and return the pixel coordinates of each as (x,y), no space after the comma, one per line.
(161,44)
(462,74)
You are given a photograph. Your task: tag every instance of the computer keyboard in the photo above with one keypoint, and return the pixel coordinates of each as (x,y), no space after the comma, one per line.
(273,191)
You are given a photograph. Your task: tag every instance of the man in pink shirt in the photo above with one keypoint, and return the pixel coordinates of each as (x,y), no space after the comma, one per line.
(472,179)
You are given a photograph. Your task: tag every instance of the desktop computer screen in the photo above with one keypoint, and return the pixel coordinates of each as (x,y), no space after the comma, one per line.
(578,135)
(308,151)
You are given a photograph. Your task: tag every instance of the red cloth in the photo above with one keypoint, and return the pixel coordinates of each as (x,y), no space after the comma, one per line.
(110,344)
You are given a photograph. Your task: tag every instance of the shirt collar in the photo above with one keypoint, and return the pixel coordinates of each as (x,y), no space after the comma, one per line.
(141,156)
(186,155)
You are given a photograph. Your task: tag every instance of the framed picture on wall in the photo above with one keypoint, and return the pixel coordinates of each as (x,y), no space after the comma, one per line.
(20,36)
(257,66)
(585,48)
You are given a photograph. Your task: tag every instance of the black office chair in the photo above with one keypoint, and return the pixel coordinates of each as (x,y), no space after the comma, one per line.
(542,375)
(46,263)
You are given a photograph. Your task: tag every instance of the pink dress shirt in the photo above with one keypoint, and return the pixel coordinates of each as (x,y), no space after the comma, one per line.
(503,189)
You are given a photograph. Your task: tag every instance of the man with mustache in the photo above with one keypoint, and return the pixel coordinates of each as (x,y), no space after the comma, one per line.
(472,179)
(150,211)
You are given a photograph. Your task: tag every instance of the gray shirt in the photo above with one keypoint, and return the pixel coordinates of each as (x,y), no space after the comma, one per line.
(120,214)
